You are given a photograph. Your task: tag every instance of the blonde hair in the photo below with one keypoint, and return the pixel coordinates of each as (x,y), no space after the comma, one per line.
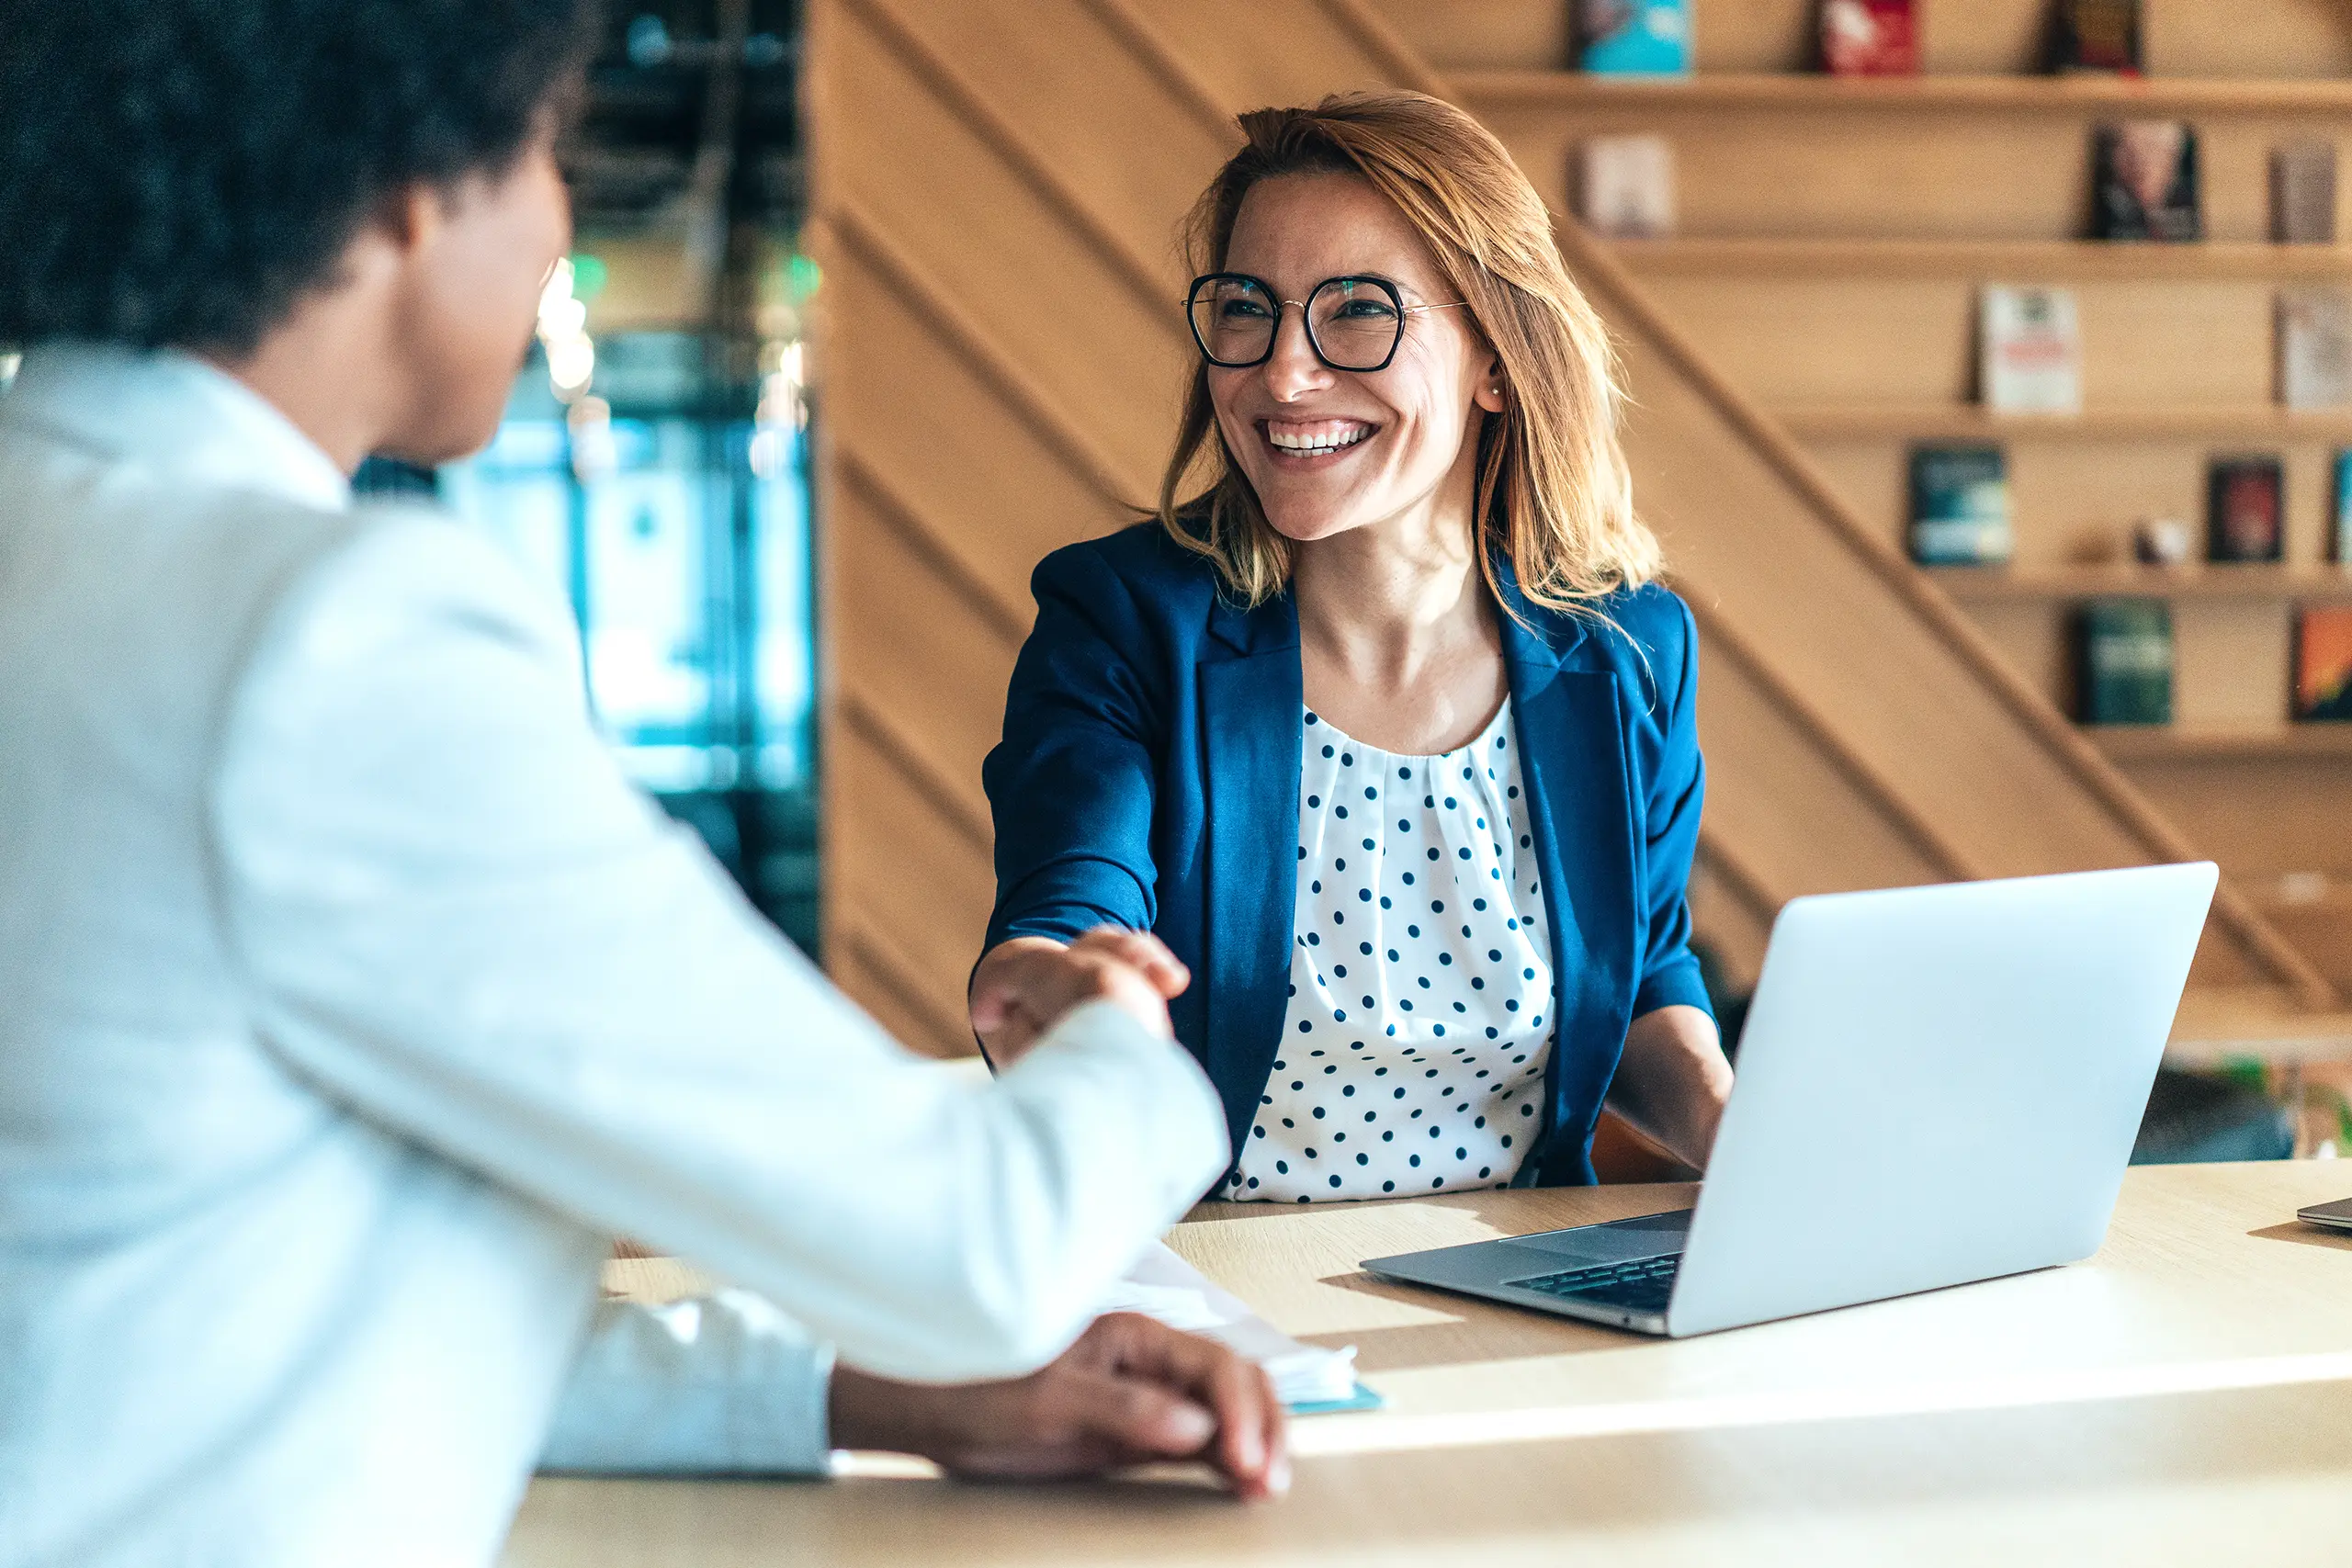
(1554,497)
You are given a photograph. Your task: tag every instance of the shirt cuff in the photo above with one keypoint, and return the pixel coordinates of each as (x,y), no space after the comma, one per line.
(1673,984)
(714,1385)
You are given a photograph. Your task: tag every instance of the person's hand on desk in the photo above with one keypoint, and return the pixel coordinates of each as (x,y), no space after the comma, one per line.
(1131,1391)
(1024,985)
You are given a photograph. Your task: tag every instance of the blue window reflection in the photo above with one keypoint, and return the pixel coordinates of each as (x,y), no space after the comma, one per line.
(677,527)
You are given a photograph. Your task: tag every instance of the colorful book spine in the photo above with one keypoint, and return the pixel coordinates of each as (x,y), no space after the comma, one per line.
(2340,536)
(2124,662)
(2096,35)
(1626,186)
(2323,664)
(2245,509)
(2030,350)
(2314,343)
(2302,193)
(1634,38)
(1960,507)
(2144,181)
(1870,37)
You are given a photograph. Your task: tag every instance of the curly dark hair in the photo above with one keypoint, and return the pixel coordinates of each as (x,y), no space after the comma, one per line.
(181,172)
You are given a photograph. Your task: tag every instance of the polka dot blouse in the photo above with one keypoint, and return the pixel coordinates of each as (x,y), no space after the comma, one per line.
(1420,980)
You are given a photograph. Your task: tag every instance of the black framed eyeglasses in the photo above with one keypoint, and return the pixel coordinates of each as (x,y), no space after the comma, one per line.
(1352,323)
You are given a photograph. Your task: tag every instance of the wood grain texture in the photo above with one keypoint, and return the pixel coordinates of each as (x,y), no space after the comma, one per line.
(2184,1397)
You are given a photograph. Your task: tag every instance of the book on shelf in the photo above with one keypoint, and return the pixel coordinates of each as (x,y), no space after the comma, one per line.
(2245,509)
(1634,38)
(2144,181)
(1960,507)
(2123,662)
(1870,37)
(2324,664)
(1626,186)
(2302,193)
(2030,350)
(2339,532)
(2096,35)
(2315,334)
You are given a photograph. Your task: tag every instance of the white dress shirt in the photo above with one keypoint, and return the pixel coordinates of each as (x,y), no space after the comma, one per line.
(351,1002)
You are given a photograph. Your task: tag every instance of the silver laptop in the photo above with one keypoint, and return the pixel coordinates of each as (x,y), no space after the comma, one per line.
(1937,1085)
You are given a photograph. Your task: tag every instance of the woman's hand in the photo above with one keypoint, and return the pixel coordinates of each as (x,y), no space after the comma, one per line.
(1131,1391)
(1024,985)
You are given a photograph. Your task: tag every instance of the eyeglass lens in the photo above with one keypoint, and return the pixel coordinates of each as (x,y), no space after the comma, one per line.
(1352,322)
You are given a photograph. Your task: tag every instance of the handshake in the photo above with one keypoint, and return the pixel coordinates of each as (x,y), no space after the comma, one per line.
(1131,1390)
(1024,985)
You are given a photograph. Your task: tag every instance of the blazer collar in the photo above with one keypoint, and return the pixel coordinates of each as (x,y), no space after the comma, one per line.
(1537,641)
(1270,626)
(175,415)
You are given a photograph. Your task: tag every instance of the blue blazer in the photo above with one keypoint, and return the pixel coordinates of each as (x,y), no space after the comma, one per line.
(1150,773)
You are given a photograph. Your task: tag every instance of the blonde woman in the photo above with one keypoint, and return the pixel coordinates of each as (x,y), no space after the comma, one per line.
(1378,748)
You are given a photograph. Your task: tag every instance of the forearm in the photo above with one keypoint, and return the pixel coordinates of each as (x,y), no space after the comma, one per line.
(1672,1081)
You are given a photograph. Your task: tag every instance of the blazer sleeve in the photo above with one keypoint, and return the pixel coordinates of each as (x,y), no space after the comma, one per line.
(455,918)
(1071,784)
(1677,790)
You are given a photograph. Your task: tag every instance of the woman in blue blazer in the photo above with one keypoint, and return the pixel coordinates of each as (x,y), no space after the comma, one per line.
(1379,751)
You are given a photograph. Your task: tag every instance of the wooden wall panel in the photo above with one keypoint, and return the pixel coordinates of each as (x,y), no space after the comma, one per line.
(993,252)
(922,885)
(912,409)
(948,661)
(1111,126)
(1771,791)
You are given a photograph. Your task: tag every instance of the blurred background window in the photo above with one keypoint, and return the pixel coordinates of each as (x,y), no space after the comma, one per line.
(653,463)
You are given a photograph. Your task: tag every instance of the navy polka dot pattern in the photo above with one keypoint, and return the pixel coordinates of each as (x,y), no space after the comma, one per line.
(1412,1059)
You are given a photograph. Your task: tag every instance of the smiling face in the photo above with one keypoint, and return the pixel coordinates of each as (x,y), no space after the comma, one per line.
(1329,450)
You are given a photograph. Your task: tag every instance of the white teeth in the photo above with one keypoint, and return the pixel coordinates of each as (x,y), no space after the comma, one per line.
(1316,443)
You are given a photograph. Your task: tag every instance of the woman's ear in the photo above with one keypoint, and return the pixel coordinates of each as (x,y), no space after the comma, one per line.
(1486,387)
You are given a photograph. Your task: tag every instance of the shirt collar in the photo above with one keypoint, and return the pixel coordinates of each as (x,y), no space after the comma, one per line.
(175,415)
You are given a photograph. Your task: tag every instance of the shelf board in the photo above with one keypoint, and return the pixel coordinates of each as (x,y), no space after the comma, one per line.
(2003,260)
(2123,579)
(1969,421)
(1484,90)
(2160,743)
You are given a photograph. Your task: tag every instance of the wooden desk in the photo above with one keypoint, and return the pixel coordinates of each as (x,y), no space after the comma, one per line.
(2184,1397)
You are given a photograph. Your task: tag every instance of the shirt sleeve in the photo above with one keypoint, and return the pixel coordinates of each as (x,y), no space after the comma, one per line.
(722,1384)
(1070,788)
(454,914)
(1671,808)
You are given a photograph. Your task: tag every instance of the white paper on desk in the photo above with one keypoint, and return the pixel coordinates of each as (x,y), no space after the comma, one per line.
(1164,1286)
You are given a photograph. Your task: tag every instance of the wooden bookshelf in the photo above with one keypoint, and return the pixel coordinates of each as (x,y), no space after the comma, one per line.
(2038,261)
(1743,91)
(2154,742)
(2249,581)
(1972,421)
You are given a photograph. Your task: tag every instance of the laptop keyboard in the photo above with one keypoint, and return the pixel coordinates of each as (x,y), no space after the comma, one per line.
(1641,1285)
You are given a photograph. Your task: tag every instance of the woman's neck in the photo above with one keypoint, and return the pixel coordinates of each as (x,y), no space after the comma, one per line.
(1381,600)
(1398,641)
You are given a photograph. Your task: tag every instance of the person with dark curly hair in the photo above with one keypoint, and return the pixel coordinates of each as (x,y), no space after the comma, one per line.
(350,1002)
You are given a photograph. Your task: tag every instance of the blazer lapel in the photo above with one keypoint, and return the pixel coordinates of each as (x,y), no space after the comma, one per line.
(1572,757)
(1250,726)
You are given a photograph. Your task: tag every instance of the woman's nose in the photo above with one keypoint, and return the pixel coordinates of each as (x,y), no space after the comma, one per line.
(1292,370)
